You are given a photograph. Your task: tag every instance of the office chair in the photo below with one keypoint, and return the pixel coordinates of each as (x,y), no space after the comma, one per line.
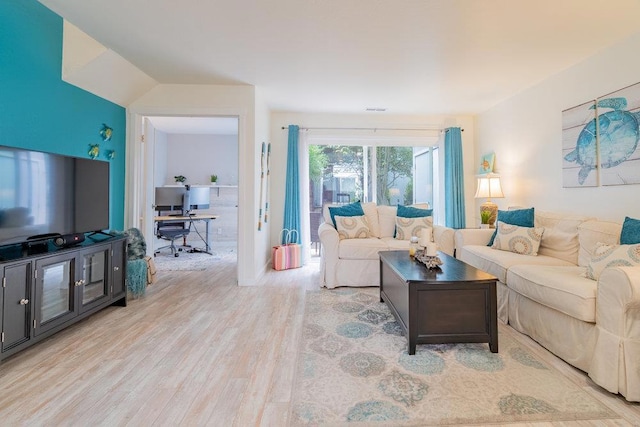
(171,231)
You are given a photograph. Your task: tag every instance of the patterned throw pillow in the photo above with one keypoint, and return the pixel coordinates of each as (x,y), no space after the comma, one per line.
(521,217)
(353,209)
(352,227)
(612,256)
(520,240)
(409,227)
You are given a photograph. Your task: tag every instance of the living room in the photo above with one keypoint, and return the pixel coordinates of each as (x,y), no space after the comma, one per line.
(523,129)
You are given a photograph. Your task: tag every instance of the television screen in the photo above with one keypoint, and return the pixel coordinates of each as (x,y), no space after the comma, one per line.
(45,194)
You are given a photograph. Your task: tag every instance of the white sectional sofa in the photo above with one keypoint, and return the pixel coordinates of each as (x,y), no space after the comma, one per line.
(592,324)
(355,262)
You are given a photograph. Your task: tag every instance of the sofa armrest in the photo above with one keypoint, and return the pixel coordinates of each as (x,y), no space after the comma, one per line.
(329,242)
(472,236)
(443,236)
(615,365)
(618,301)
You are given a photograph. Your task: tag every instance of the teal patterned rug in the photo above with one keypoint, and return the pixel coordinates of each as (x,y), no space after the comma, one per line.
(353,368)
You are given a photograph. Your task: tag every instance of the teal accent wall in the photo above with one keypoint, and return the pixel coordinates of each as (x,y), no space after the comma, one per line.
(38,110)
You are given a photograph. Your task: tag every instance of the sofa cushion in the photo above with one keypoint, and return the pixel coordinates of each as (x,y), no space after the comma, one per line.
(630,234)
(562,288)
(352,227)
(612,256)
(590,233)
(560,238)
(371,212)
(394,244)
(497,262)
(520,217)
(361,248)
(406,228)
(520,240)
(387,217)
(352,209)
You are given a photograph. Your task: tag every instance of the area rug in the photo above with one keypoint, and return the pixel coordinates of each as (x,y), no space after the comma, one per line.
(186,261)
(353,368)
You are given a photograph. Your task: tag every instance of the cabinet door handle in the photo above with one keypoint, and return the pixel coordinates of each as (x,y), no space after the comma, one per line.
(24,301)
(116,268)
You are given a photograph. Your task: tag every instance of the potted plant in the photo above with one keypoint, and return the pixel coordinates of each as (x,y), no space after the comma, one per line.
(180,179)
(485,216)
(214,178)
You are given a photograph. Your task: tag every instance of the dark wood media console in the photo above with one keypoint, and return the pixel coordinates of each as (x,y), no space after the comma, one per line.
(46,288)
(456,303)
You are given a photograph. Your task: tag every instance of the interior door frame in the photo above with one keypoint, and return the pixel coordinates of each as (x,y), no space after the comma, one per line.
(139,172)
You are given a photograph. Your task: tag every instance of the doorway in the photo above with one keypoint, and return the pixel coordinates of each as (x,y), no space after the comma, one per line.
(196,148)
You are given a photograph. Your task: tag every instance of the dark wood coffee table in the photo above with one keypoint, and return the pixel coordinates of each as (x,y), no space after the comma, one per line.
(455,303)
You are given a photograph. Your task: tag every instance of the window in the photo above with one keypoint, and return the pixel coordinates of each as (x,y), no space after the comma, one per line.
(388,175)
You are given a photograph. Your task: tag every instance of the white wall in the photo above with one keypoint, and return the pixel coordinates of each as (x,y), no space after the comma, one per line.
(279,139)
(160,159)
(525,132)
(198,156)
(218,100)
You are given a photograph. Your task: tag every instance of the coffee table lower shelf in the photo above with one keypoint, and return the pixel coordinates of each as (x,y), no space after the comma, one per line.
(456,304)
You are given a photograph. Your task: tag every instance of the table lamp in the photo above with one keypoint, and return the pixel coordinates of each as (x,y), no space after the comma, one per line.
(489,186)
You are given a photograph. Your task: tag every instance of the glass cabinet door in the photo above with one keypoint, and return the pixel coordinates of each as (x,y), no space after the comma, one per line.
(55,292)
(95,277)
(56,298)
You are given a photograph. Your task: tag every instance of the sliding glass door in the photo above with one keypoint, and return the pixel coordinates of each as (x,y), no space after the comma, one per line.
(385,174)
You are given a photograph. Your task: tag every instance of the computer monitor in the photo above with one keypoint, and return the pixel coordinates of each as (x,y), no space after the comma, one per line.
(199,197)
(185,198)
(169,198)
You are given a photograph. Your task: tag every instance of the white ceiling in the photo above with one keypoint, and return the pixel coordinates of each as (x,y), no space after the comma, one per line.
(408,56)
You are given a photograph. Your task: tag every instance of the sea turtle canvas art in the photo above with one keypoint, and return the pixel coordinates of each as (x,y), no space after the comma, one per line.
(608,142)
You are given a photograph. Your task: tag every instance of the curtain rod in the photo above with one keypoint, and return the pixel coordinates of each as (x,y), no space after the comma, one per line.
(373,129)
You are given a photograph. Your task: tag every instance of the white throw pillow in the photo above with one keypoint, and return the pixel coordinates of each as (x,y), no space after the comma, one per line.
(520,240)
(409,227)
(612,256)
(352,227)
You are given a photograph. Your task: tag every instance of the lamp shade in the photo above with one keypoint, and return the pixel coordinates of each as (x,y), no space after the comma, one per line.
(488,187)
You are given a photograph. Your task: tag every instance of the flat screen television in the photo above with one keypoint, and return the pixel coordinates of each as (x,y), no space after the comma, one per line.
(43,195)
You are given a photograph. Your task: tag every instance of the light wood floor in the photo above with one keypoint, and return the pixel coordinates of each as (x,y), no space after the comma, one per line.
(196,350)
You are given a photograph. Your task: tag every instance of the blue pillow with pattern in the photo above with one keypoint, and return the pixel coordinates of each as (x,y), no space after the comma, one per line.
(630,234)
(411,212)
(352,209)
(519,217)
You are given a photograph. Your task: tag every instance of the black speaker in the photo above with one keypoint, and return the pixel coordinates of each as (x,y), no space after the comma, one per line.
(68,240)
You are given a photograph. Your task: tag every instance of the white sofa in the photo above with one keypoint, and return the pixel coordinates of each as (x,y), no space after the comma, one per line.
(355,262)
(593,325)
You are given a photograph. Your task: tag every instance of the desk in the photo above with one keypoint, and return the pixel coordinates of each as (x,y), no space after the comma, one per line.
(191,218)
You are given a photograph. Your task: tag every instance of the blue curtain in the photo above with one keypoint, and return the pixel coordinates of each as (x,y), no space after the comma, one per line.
(292,216)
(453,179)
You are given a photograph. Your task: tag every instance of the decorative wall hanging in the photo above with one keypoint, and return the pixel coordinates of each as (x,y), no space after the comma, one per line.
(106,132)
(579,165)
(600,140)
(110,154)
(486,164)
(94,150)
(618,136)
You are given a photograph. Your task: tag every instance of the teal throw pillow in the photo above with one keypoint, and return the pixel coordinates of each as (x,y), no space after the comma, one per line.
(353,209)
(630,234)
(411,212)
(519,217)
